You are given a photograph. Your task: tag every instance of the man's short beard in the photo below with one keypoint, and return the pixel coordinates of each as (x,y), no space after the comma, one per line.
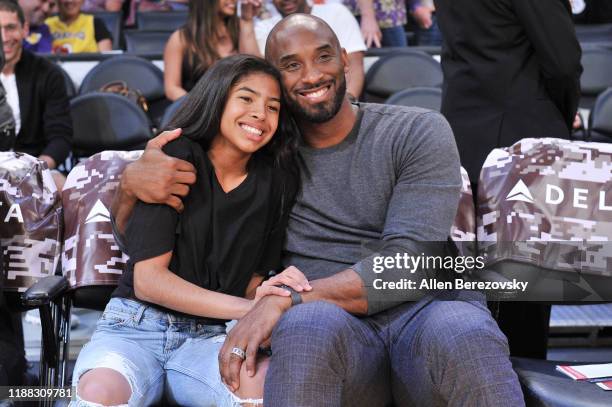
(321,114)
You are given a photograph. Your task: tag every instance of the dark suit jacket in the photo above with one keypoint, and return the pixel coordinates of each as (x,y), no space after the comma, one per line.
(46,125)
(511,71)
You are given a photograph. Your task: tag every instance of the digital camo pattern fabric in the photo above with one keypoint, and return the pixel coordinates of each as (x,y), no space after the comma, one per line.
(91,255)
(30,221)
(545,206)
(463,230)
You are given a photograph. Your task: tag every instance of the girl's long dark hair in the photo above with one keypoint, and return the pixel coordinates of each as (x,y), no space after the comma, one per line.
(200,114)
(200,34)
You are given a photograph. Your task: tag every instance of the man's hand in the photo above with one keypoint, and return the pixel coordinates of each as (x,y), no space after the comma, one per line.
(422,16)
(158,178)
(249,333)
(370,30)
(249,9)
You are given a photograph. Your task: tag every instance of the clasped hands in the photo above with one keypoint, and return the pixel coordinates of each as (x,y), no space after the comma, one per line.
(255,328)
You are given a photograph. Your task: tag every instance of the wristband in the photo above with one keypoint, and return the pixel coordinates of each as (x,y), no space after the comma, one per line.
(296,298)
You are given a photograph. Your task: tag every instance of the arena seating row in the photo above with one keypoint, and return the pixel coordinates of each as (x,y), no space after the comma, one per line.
(105,122)
(528,229)
(594,33)
(596,76)
(147,22)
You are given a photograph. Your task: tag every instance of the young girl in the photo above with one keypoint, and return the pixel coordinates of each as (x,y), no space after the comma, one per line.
(189,272)
(213,31)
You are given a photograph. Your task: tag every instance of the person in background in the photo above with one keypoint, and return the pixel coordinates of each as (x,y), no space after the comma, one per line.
(511,71)
(39,37)
(36,93)
(344,25)
(75,32)
(427,30)
(91,6)
(213,31)
(390,15)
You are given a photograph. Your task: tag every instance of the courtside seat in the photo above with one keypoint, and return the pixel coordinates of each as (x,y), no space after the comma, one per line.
(146,42)
(105,121)
(600,127)
(167,21)
(138,73)
(170,112)
(91,261)
(396,72)
(113,20)
(596,76)
(544,217)
(544,386)
(427,98)
(31,219)
(91,257)
(30,242)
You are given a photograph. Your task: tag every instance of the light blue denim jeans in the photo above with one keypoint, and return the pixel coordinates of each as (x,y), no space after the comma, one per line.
(158,353)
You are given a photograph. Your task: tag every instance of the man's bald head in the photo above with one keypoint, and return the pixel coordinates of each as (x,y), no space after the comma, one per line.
(291,27)
(312,65)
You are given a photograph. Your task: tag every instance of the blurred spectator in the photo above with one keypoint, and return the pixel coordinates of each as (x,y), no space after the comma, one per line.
(91,6)
(390,16)
(39,38)
(424,14)
(75,32)
(36,93)
(341,21)
(511,71)
(53,9)
(213,31)
(162,5)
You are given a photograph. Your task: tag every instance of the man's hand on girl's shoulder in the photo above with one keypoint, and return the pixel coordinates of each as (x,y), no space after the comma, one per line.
(158,178)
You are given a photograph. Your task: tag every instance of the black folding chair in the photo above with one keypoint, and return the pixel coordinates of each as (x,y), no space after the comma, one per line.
(146,42)
(600,120)
(393,73)
(107,121)
(427,98)
(596,76)
(31,250)
(113,20)
(171,111)
(167,21)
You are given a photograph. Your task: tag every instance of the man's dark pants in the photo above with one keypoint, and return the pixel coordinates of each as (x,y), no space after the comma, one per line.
(428,353)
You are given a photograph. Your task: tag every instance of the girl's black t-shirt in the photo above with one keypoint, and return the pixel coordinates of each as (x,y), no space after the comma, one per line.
(220,239)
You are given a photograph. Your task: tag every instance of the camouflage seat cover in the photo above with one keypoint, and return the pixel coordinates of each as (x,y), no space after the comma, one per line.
(90,255)
(31,221)
(545,208)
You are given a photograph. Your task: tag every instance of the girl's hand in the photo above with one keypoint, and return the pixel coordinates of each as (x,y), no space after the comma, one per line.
(264,290)
(291,277)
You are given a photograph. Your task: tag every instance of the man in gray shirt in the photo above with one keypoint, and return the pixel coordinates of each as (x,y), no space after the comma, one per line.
(380,175)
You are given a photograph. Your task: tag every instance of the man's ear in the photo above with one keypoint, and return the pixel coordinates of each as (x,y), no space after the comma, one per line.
(345,60)
(26,28)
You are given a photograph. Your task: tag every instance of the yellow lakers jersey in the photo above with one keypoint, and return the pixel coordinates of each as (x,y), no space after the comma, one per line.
(76,37)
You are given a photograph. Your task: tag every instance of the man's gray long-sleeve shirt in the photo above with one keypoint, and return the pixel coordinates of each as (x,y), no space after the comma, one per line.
(394,179)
